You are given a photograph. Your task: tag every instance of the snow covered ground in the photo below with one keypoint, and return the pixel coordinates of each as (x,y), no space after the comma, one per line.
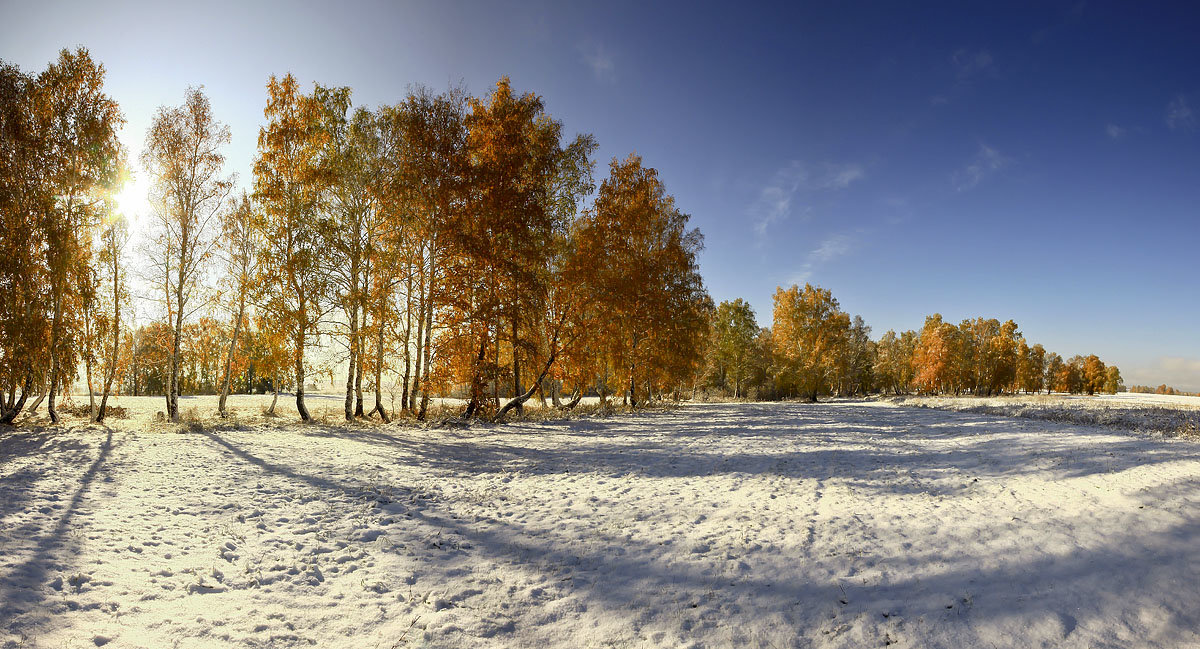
(850,524)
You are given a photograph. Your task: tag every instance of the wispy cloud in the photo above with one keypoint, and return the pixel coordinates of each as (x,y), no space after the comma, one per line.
(799,277)
(831,247)
(774,202)
(1180,115)
(600,61)
(986,162)
(777,199)
(1115,132)
(968,64)
(896,209)
(841,176)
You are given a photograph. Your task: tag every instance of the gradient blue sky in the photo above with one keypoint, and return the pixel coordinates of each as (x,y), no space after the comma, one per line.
(1038,161)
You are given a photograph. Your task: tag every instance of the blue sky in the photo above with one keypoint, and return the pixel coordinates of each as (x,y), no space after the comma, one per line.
(1039,161)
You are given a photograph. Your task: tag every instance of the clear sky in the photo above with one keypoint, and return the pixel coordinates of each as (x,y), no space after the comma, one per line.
(1039,161)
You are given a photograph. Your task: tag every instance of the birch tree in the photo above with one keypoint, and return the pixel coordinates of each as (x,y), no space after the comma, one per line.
(809,328)
(428,139)
(239,246)
(183,156)
(80,158)
(352,154)
(112,251)
(733,332)
(290,179)
(25,197)
(644,277)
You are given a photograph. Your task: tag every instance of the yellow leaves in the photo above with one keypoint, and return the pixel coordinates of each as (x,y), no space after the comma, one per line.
(809,332)
(638,262)
(60,156)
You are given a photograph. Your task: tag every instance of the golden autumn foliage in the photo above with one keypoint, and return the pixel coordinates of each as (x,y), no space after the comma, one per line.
(809,328)
(934,359)
(61,163)
(894,365)
(643,280)
(454,230)
(814,348)
(731,349)
(426,183)
(503,238)
(988,357)
(289,179)
(183,157)
(1161,389)
(443,244)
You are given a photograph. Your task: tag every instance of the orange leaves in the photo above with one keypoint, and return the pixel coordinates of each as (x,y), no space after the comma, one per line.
(61,159)
(289,181)
(642,275)
(933,360)
(985,356)
(809,332)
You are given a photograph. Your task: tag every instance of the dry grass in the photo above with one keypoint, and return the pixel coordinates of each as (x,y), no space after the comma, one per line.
(1174,417)
(199,413)
(83,411)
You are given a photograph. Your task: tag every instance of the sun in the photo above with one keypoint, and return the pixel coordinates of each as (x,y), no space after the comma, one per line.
(133,201)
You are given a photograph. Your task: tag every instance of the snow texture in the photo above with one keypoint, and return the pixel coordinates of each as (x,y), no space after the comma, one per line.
(1150,413)
(849,524)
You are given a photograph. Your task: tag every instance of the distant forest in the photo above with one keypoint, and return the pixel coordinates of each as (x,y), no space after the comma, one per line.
(1162,389)
(448,243)
(814,348)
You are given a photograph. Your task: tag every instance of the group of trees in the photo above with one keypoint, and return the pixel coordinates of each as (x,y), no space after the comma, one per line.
(257,364)
(62,286)
(815,348)
(441,242)
(1162,389)
(445,243)
(989,357)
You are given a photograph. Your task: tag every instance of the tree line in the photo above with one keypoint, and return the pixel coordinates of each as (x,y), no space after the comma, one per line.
(446,240)
(449,244)
(1162,389)
(814,348)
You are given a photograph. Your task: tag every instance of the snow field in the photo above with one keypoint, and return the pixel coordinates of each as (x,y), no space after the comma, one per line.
(843,524)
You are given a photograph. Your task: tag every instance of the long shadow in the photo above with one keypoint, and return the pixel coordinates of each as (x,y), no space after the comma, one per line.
(37,441)
(800,441)
(641,571)
(967,585)
(20,474)
(279,469)
(974,589)
(22,590)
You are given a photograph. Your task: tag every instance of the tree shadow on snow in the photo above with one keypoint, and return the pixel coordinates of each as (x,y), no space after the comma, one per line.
(799,441)
(28,456)
(1136,586)
(24,585)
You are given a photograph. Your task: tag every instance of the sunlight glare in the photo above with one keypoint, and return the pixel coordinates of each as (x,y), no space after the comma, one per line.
(133,201)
